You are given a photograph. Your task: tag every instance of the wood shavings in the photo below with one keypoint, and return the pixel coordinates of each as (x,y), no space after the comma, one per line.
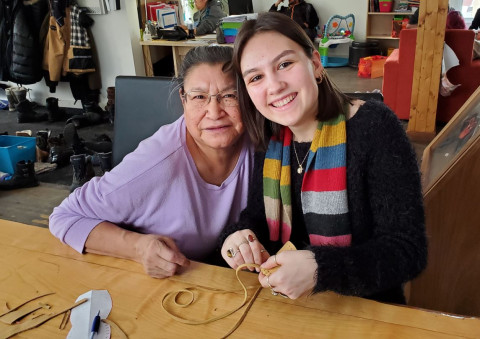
(13,316)
(66,317)
(32,323)
(26,302)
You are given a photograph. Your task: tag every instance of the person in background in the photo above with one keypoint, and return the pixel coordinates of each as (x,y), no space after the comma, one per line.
(455,20)
(168,201)
(335,176)
(476,20)
(207,17)
(302,13)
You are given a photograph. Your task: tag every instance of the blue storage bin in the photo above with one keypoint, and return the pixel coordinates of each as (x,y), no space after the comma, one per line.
(14,149)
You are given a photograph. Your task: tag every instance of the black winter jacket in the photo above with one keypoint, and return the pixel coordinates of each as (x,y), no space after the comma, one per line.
(20,54)
(303,13)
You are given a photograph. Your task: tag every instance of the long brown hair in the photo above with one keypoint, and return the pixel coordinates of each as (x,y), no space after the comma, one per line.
(330,99)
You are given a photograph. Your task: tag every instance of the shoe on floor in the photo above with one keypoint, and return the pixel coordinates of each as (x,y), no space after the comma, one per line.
(82,170)
(23,177)
(27,114)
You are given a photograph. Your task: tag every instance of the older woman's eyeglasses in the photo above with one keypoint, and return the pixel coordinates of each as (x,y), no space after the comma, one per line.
(198,99)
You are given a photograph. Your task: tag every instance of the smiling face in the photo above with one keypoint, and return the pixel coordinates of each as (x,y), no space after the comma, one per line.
(280,80)
(212,126)
(201,4)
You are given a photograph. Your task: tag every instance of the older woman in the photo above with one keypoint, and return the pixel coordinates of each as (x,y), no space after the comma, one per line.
(169,199)
(335,176)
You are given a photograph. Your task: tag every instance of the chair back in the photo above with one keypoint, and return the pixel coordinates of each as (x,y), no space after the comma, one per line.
(142,106)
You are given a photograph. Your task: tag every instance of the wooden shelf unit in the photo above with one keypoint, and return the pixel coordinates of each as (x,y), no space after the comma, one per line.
(379,27)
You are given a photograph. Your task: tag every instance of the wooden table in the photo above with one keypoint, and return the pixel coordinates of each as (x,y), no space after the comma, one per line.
(34,262)
(178,50)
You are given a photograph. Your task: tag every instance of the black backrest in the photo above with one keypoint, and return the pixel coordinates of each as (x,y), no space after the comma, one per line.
(142,106)
(366,96)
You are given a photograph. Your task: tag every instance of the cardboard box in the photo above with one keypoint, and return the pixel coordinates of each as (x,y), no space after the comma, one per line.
(14,149)
(371,66)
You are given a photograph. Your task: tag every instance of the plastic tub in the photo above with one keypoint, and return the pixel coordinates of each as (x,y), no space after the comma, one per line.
(14,149)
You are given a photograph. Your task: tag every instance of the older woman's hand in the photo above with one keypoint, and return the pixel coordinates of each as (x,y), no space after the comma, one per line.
(242,247)
(159,255)
(296,275)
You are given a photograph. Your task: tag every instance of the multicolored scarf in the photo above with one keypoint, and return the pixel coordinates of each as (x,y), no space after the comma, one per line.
(324,186)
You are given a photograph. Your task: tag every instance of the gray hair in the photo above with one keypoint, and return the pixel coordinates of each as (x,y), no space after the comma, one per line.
(212,54)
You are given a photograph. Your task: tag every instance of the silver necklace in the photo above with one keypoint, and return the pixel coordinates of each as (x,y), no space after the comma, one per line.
(300,167)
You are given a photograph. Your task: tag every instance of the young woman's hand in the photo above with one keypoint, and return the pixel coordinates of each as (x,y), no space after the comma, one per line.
(159,255)
(243,247)
(296,275)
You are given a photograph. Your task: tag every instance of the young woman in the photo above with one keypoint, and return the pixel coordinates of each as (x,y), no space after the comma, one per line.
(335,176)
(169,199)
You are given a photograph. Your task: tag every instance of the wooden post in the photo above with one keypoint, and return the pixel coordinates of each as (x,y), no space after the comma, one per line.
(426,75)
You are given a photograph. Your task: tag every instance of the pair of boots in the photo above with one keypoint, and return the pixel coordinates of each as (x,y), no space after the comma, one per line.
(83,167)
(17,100)
(24,176)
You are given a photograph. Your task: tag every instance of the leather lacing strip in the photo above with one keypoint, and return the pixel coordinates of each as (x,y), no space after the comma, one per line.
(176,294)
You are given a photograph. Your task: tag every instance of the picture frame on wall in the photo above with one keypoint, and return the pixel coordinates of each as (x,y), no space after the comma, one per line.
(452,142)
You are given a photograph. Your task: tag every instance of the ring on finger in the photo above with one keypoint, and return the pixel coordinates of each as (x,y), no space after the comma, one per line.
(275,293)
(275,259)
(268,283)
(231,253)
(283,295)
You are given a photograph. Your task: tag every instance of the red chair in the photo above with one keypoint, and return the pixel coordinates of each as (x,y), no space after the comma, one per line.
(398,74)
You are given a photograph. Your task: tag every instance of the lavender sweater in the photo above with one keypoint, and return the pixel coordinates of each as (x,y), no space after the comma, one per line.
(157,189)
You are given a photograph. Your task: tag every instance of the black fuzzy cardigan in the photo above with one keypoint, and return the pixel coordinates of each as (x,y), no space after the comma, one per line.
(389,245)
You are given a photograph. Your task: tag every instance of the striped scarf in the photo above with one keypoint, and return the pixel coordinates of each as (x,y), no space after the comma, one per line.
(324,186)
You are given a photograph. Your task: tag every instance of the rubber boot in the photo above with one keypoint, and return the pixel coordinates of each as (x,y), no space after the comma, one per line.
(92,113)
(27,114)
(60,152)
(54,112)
(20,93)
(105,161)
(82,170)
(42,149)
(12,102)
(42,139)
(73,140)
(24,176)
